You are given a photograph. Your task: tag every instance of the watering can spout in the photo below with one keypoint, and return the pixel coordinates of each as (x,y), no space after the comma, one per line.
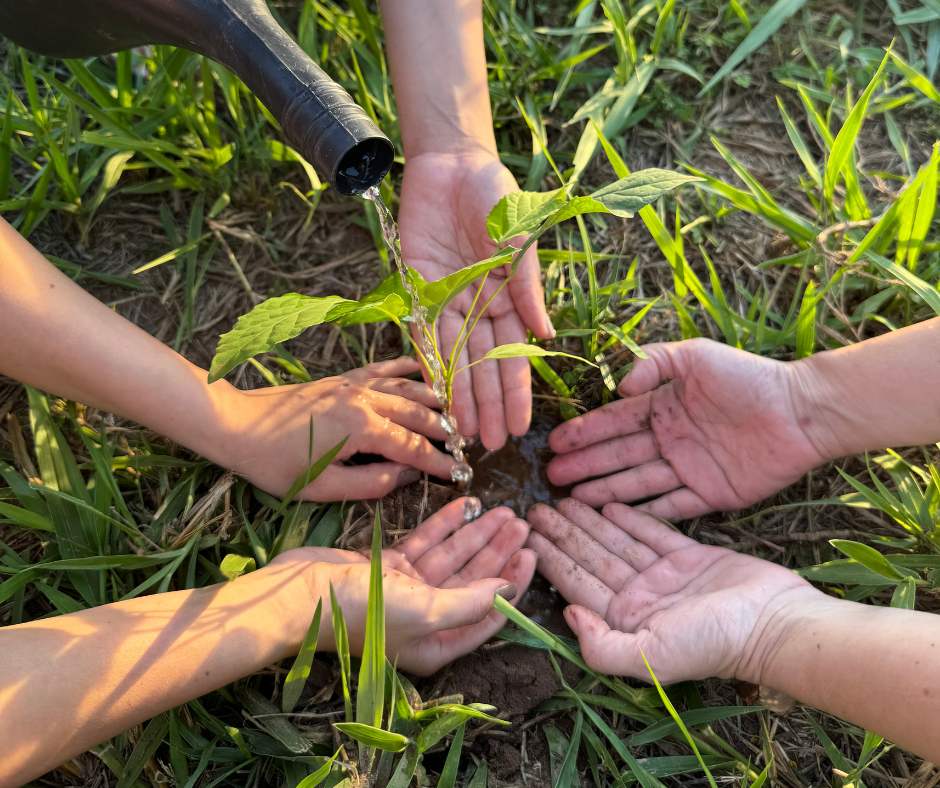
(318,117)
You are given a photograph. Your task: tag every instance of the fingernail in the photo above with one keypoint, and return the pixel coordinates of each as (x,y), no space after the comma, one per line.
(508,592)
(408,477)
(549,328)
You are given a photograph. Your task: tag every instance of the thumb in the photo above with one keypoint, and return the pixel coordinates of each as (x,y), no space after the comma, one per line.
(460,607)
(604,649)
(648,373)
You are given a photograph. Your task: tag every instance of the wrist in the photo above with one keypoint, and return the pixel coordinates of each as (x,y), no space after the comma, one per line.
(825,406)
(448,139)
(778,653)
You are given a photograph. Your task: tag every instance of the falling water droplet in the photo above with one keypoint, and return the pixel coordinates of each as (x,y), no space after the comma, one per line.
(472,508)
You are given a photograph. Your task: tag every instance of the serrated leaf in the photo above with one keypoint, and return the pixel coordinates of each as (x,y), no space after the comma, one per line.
(234,566)
(519,213)
(371,309)
(628,195)
(373,737)
(576,207)
(273,321)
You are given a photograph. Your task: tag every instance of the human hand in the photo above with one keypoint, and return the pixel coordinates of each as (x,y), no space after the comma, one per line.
(445,199)
(267,432)
(695,611)
(439,585)
(727,429)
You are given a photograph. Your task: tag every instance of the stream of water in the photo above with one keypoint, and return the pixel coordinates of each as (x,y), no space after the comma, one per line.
(461,473)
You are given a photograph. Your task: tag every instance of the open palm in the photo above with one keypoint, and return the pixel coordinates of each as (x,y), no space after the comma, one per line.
(444,204)
(637,585)
(725,429)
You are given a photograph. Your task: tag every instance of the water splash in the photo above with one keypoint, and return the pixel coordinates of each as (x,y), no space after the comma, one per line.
(461,473)
(472,508)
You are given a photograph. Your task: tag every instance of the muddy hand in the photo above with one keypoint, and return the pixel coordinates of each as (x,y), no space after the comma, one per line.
(637,584)
(445,201)
(439,585)
(377,412)
(701,427)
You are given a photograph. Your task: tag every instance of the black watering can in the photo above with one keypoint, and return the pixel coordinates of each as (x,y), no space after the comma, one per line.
(318,117)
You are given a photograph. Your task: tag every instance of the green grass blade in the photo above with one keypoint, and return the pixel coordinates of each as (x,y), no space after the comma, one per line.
(341,640)
(370,700)
(297,677)
(448,777)
(806,324)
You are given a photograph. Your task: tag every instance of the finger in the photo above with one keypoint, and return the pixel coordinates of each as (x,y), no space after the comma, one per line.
(636,484)
(525,288)
(487,387)
(648,373)
(605,650)
(572,581)
(451,555)
(414,390)
(453,643)
(657,535)
(460,607)
(678,505)
(409,414)
(514,375)
(402,445)
(490,559)
(375,480)
(395,368)
(623,417)
(603,458)
(579,545)
(435,530)
(617,541)
(464,405)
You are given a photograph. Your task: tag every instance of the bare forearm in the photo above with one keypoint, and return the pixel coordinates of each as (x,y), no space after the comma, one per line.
(72,682)
(881,392)
(58,338)
(875,667)
(438,65)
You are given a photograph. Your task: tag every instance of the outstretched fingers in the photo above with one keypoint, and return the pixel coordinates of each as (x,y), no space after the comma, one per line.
(374,480)
(657,536)
(622,417)
(681,504)
(572,580)
(637,484)
(490,559)
(604,458)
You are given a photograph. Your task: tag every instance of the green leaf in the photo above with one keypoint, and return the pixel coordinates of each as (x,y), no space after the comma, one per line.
(842,571)
(521,349)
(341,639)
(370,701)
(373,737)
(310,475)
(918,80)
(371,309)
(146,746)
(844,142)
(449,772)
(520,213)
(771,22)
(929,294)
(576,207)
(320,774)
(667,727)
(904,593)
(868,557)
(234,565)
(616,331)
(806,324)
(436,295)
(273,321)
(628,195)
(297,677)
(269,717)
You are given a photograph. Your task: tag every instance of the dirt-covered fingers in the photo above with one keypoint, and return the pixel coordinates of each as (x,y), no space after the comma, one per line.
(645,481)
(660,538)
(622,417)
(375,480)
(514,374)
(578,544)
(450,556)
(490,559)
(415,390)
(572,580)
(678,505)
(409,414)
(604,458)
(638,554)
(400,444)
(487,386)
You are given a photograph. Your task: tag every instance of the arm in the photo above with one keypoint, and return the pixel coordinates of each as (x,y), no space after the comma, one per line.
(71,682)
(697,611)
(453,177)
(59,338)
(730,428)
